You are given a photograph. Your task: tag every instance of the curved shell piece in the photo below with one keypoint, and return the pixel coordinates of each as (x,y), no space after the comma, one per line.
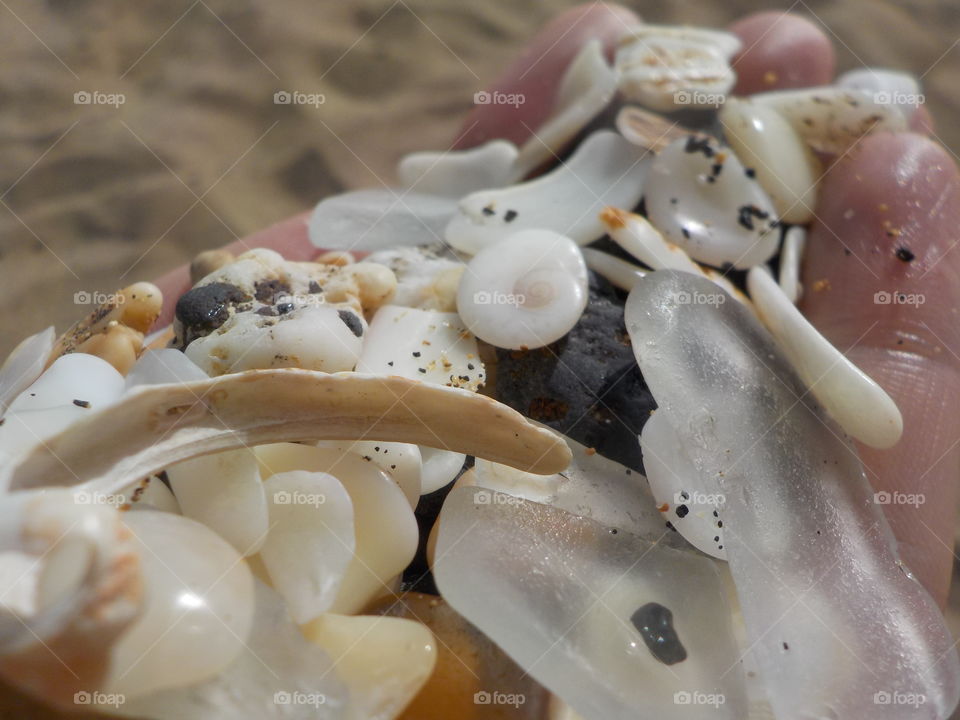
(440,468)
(401,461)
(647,129)
(587,87)
(854,399)
(157,425)
(605,169)
(701,198)
(621,273)
(455,173)
(888,87)
(526,291)
(24,365)
(791,257)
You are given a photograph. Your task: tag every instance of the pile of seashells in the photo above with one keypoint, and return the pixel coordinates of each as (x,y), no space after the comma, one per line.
(232,517)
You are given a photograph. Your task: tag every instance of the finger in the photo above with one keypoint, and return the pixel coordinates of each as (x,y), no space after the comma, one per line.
(888,221)
(536,74)
(780,51)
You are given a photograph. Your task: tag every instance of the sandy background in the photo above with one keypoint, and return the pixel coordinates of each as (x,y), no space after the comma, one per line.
(199,154)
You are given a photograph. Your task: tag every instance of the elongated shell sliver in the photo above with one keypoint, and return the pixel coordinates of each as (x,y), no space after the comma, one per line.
(162,424)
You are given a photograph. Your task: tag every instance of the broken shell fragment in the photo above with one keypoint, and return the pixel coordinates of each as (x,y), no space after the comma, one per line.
(525,291)
(439,469)
(401,461)
(854,399)
(888,87)
(791,256)
(701,198)
(456,173)
(605,169)
(24,365)
(647,129)
(619,272)
(162,424)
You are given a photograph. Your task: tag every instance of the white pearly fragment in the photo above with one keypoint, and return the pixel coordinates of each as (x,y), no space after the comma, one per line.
(674,483)
(619,272)
(375,219)
(587,87)
(456,173)
(401,461)
(427,275)
(439,469)
(505,479)
(311,540)
(526,291)
(422,345)
(791,256)
(605,169)
(785,166)
(383,661)
(156,367)
(890,88)
(24,365)
(224,492)
(831,119)
(198,607)
(648,130)
(669,67)
(859,405)
(701,198)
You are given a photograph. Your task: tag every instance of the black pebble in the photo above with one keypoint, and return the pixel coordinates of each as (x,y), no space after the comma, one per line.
(654,622)
(682,511)
(203,309)
(351,321)
(905,254)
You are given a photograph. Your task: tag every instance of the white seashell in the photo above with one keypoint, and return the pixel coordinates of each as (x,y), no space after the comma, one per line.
(605,169)
(831,119)
(311,541)
(701,198)
(587,87)
(24,365)
(158,425)
(198,607)
(422,345)
(859,405)
(427,276)
(384,525)
(156,367)
(525,291)
(619,272)
(791,256)
(401,461)
(669,67)
(674,483)
(505,479)
(456,173)
(383,661)
(648,130)
(224,492)
(376,219)
(785,166)
(439,469)
(887,87)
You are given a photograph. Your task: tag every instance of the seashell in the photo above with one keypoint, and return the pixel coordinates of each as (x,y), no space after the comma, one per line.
(384,525)
(383,661)
(24,365)
(672,477)
(587,87)
(422,345)
(401,461)
(604,170)
(791,255)
(505,479)
(456,173)
(831,119)
(785,166)
(198,607)
(311,540)
(648,130)
(702,199)
(224,492)
(427,276)
(890,88)
(668,67)
(377,219)
(859,405)
(525,291)
(158,425)
(157,367)
(619,272)
(439,469)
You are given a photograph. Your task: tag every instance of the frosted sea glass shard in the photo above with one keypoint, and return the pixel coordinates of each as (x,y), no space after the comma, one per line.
(836,623)
(566,598)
